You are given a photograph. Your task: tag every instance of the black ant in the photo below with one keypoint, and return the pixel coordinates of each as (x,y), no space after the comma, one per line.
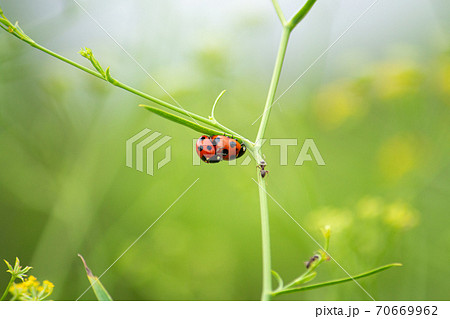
(311,260)
(262,166)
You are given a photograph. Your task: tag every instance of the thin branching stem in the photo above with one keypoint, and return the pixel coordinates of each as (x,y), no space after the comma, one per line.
(337,281)
(273,85)
(279,12)
(265,235)
(265,229)
(18,32)
(66,60)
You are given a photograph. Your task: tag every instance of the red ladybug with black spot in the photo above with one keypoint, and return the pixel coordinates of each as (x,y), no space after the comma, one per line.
(228,148)
(206,150)
(213,149)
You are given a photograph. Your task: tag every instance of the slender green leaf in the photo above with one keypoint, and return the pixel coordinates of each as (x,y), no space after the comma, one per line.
(99,290)
(182,121)
(337,281)
(307,278)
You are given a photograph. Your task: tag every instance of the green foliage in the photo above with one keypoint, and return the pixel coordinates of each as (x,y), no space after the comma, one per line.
(100,292)
(182,121)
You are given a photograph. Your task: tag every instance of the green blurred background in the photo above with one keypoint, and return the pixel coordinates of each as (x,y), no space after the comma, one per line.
(376,105)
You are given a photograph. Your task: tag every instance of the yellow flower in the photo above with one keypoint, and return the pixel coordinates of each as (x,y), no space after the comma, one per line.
(31,289)
(49,284)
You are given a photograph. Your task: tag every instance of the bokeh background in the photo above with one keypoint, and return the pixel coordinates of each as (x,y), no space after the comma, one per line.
(376,105)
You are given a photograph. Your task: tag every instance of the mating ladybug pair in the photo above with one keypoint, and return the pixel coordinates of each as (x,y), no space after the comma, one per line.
(213,149)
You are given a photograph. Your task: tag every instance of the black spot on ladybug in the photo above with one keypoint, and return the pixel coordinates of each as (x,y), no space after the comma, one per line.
(209,147)
(203,137)
(215,159)
(233,144)
(200,148)
(242,150)
(225,151)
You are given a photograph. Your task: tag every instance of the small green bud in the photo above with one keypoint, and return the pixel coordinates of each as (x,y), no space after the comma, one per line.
(87,53)
(84,53)
(326,231)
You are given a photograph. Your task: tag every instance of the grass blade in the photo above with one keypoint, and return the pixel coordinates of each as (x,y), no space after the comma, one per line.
(99,290)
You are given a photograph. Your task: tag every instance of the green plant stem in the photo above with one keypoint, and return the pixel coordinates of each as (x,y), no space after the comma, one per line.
(265,234)
(64,59)
(256,150)
(265,229)
(273,85)
(7,288)
(337,281)
(279,12)
(300,14)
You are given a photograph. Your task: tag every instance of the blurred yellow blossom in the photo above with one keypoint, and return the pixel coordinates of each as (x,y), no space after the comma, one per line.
(401,216)
(369,207)
(396,79)
(398,156)
(337,102)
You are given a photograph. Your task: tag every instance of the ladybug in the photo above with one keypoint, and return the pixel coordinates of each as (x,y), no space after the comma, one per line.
(228,148)
(206,150)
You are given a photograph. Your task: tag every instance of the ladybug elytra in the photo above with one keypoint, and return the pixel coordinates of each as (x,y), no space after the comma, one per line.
(213,149)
